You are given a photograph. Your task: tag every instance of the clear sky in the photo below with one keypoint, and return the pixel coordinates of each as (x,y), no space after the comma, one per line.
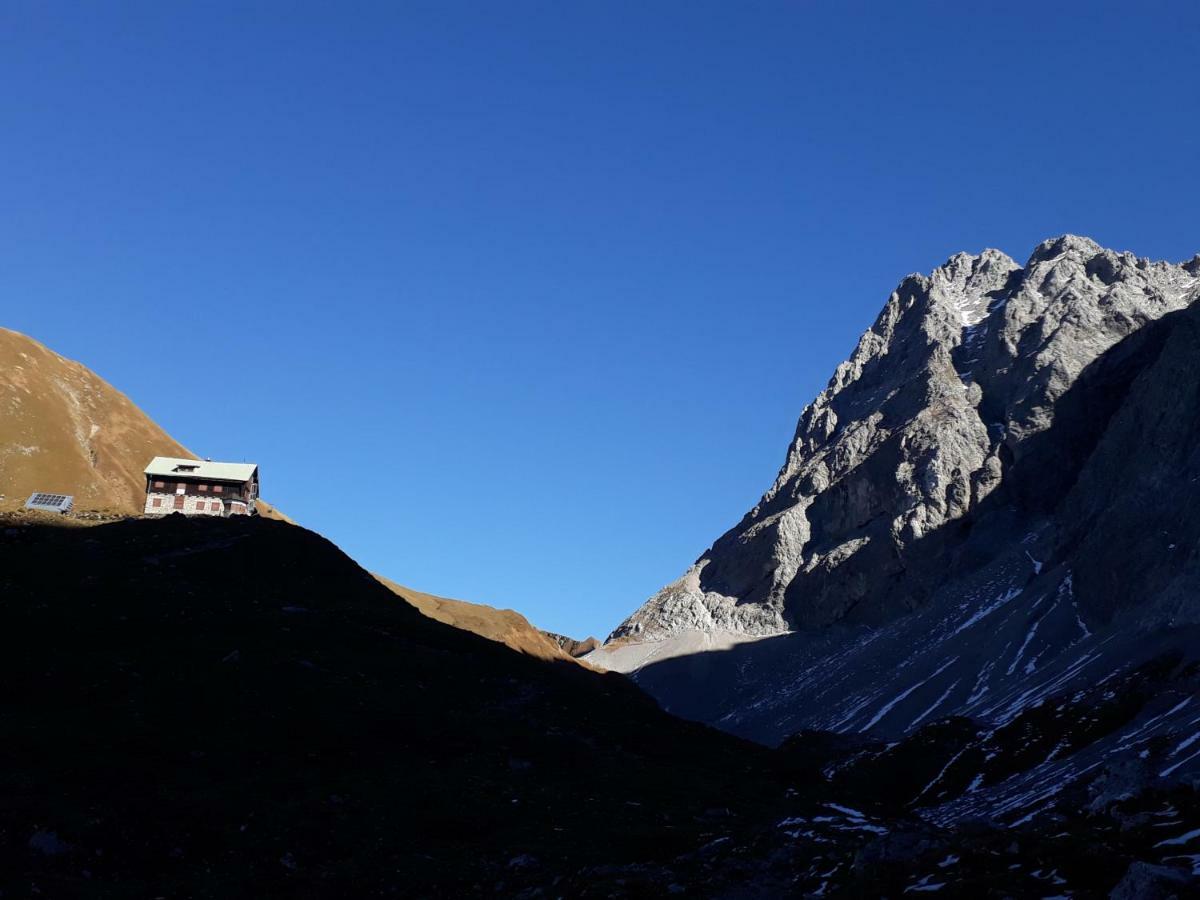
(519,302)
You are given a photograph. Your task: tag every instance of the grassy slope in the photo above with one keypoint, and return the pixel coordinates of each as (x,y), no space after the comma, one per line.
(67,430)
(506,626)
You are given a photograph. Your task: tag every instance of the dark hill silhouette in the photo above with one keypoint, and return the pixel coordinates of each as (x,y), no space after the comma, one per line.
(232,708)
(229,708)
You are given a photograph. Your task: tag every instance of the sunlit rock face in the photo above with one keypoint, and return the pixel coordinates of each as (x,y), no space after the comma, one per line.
(981,558)
(938,418)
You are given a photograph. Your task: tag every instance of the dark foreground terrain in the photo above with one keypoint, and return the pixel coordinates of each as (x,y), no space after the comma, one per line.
(199,708)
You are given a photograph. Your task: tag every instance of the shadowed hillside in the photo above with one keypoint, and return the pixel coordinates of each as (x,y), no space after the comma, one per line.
(232,708)
(206,708)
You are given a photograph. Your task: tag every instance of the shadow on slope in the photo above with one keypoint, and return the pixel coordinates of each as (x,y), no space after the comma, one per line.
(223,708)
(202,708)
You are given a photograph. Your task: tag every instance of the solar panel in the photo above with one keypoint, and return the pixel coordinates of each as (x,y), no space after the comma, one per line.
(59,503)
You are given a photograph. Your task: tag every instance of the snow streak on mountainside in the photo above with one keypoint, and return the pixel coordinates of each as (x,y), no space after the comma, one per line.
(943,399)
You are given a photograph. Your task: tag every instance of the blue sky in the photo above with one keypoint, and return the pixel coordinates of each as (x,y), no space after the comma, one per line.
(519,302)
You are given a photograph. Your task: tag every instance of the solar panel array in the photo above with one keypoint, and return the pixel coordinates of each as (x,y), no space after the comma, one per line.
(59,503)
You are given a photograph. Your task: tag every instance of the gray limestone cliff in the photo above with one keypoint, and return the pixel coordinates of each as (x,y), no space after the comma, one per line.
(975,583)
(945,400)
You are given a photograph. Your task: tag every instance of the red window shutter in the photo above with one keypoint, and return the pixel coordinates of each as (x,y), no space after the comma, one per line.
(204,487)
(218,489)
(157,501)
(158,484)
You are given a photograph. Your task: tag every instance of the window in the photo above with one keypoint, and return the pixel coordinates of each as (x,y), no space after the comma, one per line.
(159,484)
(157,501)
(217,489)
(204,487)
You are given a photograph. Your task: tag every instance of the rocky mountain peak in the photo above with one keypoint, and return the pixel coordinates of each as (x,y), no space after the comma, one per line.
(941,398)
(1069,245)
(967,280)
(986,527)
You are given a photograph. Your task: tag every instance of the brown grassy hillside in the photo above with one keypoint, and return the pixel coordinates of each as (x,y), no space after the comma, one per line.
(505,626)
(66,430)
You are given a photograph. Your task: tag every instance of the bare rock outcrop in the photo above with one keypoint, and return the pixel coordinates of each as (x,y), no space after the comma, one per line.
(573,647)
